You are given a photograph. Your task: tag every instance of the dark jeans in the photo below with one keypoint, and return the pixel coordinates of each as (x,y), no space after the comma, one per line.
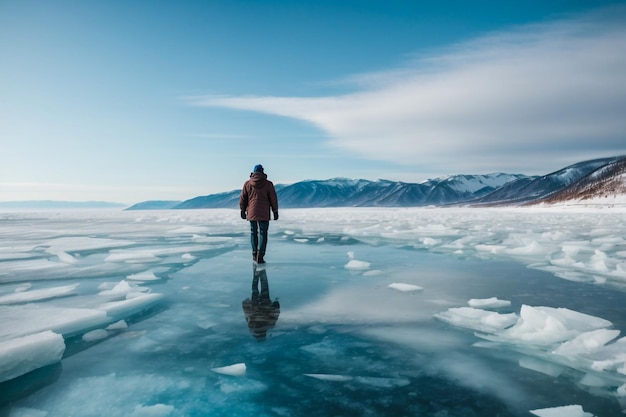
(258,235)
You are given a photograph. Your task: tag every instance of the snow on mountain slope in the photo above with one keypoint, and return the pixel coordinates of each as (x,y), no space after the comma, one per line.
(473,183)
(540,188)
(606,184)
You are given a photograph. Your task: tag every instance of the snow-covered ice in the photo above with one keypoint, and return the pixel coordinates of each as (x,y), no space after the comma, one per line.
(144,309)
(400,286)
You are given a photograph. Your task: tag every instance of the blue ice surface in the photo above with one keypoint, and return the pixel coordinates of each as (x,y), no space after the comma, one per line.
(344,343)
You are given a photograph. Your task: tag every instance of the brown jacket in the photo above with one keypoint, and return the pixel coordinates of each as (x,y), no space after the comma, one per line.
(258,197)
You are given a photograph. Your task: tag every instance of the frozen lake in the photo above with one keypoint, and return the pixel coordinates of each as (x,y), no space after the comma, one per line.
(399,312)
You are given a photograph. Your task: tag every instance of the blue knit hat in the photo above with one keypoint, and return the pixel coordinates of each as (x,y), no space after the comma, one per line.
(258,168)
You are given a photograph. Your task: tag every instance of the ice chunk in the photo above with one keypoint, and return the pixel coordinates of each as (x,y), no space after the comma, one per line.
(37,295)
(118,325)
(564,411)
(492,302)
(356,264)
(122,290)
(24,269)
(477,319)
(94,335)
(593,380)
(405,287)
(143,276)
(429,241)
(143,256)
(238,369)
(24,354)
(330,377)
(610,357)
(131,306)
(533,248)
(492,249)
(39,318)
(538,365)
(548,325)
(157,410)
(587,342)
(598,261)
(63,256)
(122,287)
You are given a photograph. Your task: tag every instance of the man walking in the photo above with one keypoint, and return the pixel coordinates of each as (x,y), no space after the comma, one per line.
(257,199)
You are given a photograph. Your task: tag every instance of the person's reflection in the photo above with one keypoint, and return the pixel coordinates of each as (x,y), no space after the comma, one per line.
(260,311)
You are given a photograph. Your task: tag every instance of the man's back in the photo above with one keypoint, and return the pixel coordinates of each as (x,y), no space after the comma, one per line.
(258,198)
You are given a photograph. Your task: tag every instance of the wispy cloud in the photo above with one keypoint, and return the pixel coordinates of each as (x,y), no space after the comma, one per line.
(546,91)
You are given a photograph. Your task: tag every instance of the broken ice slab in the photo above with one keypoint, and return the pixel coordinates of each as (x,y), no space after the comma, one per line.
(21,355)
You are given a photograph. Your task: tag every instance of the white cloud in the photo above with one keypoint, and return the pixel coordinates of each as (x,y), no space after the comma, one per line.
(542,92)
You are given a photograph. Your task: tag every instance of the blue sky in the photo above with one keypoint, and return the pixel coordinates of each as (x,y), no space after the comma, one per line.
(129,101)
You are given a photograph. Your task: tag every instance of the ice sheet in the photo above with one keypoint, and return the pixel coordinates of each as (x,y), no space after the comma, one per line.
(562,240)
(117,265)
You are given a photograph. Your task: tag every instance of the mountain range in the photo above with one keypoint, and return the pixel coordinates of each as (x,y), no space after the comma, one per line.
(585,179)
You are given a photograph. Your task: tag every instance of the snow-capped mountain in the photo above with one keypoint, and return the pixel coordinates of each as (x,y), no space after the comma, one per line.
(315,193)
(586,179)
(535,189)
